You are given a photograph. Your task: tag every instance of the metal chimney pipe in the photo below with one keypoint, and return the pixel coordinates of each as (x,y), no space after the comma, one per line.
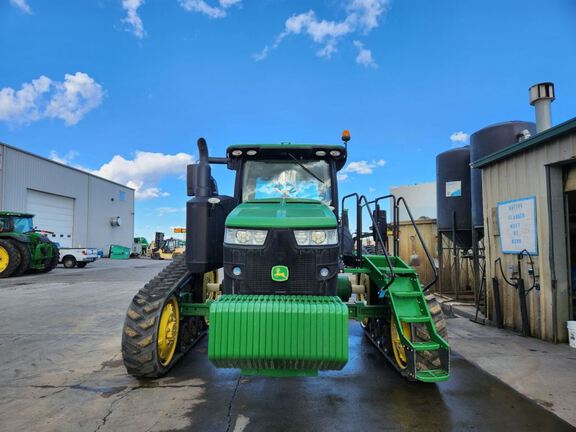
(541,97)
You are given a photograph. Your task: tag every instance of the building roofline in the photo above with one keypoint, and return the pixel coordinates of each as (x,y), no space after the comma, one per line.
(64,165)
(535,141)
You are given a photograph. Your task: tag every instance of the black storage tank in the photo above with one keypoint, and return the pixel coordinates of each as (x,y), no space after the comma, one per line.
(485,142)
(453,195)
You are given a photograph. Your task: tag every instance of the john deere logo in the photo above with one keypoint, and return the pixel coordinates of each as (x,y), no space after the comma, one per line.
(280,273)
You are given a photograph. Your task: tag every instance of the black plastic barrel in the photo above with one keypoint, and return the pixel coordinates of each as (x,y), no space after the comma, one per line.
(485,142)
(453,195)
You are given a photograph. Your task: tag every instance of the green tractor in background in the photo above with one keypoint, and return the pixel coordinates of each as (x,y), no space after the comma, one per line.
(23,249)
(294,274)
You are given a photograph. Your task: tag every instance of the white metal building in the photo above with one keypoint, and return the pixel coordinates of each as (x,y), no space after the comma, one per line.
(421,199)
(81,209)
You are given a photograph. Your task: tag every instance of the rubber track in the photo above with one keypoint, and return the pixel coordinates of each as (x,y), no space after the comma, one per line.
(377,332)
(139,335)
(426,360)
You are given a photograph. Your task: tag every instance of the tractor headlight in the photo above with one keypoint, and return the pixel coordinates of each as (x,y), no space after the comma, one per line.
(316,237)
(246,237)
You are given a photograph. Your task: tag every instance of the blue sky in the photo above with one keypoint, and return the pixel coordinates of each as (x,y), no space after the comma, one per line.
(102,84)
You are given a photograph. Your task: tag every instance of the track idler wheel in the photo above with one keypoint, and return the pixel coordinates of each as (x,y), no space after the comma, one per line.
(400,357)
(155,336)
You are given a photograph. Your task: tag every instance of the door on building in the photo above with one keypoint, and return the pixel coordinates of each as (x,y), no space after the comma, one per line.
(570,194)
(54,213)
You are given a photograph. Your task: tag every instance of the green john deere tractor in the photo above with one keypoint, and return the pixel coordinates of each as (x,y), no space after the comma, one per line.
(293,275)
(22,248)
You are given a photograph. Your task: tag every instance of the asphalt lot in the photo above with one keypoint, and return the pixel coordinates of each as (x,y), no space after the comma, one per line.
(61,370)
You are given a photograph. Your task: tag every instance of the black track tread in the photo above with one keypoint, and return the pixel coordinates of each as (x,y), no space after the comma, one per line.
(139,334)
(13,257)
(25,258)
(426,360)
(378,330)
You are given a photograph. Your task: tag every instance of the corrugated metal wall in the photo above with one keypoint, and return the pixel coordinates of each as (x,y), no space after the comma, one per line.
(96,200)
(410,245)
(520,176)
(106,202)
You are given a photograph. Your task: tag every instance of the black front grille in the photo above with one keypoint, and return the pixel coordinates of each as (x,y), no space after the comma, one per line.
(304,264)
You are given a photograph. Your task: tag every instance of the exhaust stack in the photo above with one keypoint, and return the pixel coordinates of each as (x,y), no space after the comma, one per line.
(541,97)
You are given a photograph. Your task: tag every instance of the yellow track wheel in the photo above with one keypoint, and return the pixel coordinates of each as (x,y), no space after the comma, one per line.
(397,347)
(168,331)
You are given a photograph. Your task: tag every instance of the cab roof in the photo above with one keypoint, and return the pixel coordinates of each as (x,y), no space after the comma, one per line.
(15,214)
(282,150)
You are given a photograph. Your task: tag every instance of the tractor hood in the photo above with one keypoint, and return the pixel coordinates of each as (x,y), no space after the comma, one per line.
(282,213)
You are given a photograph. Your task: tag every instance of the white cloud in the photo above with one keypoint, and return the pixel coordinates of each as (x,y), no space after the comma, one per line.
(342,177)
(459,138)
(132,18)
(74,98)
(168,210)
(145,171)
(367,12)
(136,26)
(364,56)
(202,6)
(363,167)
(362,17)
(42,98)
(66,159)
(22,5)
(371,189)
(23,106)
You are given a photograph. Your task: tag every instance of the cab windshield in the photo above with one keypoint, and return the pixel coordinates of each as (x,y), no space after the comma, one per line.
(23,224)
(287,179)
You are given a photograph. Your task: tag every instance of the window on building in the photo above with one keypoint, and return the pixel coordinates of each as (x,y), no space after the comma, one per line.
(122,196)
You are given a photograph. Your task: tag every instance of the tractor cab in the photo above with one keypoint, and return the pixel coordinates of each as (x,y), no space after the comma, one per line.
(287,171)
(20,223)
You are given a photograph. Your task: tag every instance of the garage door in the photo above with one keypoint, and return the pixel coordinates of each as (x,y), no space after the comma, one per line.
(53,213)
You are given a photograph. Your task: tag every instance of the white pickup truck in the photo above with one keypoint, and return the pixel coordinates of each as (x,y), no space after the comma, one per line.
(77,257)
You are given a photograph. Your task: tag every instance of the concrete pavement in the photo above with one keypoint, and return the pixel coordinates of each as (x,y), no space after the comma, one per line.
(61,370)
(542,371)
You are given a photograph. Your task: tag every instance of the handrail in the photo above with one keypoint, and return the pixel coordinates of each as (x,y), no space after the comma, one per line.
(430,260)
(359,206)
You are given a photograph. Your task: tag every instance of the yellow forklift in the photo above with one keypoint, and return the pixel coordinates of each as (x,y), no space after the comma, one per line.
(166,249)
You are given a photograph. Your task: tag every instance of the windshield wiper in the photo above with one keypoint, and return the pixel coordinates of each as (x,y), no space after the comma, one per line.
(306,169)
